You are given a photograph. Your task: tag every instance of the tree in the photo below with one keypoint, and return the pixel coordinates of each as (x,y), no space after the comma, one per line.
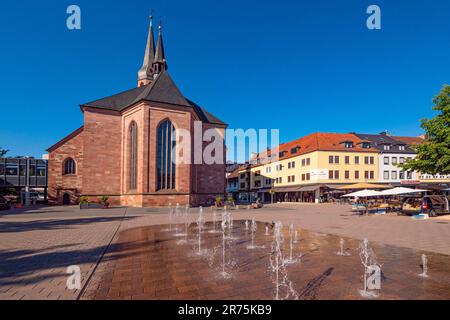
(433,155)
(3,152)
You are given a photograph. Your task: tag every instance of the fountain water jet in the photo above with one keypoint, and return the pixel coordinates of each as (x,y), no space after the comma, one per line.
(200,225)
(253,229)
(372,271)
(424,273)
(291,259)
(342,251)
(278,267)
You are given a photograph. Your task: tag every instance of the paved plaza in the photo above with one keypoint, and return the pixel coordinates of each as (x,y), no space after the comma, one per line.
(37,246)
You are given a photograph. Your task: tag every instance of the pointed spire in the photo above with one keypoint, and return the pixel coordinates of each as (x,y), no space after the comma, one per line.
(145,74)
(159,63)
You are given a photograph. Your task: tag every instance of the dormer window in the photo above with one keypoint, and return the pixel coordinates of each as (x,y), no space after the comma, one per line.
(401,147)
(365,145)
(348,144)
(387,147)
(295,150)
(281,154)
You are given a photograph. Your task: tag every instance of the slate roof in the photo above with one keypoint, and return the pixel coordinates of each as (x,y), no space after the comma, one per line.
(379,140)
(162,89)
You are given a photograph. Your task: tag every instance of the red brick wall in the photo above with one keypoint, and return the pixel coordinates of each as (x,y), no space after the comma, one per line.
(59,184)
(102,153)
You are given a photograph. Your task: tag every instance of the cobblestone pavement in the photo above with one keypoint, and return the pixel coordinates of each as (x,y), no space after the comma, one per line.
(37,246)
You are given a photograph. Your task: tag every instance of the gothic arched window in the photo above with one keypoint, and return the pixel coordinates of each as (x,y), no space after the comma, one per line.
(165,156)
(69,166)
(132,156)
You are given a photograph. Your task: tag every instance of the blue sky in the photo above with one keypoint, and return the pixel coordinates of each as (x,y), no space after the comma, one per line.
(297,66)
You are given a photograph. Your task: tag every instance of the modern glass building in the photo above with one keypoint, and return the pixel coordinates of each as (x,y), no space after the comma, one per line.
(20,173)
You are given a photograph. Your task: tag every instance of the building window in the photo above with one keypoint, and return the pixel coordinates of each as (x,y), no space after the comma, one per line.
(333,159)
(386,160)
(372,175)
(394,160)
(347,159)
(402,160)
(356,174)
(401,148)
(366,160)
(357,160)
(333,175)
(257,184)
(387,147)
(366,175)
(394,175)
(308,161)
(132,156)
(243,185)
(402,175)
(308,176)
(268,169)
(165,156)
(70,166)
(242,175)
(347,175)
(257,173)
(386,175)
(366,145)
(348,144)
(372,160)
(409,175)
(291,165)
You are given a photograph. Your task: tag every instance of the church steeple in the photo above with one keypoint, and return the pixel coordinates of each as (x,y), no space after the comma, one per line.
(159,63)
(145,74)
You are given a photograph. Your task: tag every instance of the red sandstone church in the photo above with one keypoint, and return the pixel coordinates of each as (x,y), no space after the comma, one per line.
(122,150)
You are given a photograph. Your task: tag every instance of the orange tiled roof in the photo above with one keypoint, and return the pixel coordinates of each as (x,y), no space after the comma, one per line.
(320,141)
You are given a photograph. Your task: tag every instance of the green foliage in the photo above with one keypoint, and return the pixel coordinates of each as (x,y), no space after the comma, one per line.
(103,199)
(84,200)
(3,152)
(433,156)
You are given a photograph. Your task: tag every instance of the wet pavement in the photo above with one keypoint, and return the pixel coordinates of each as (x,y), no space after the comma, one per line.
(153,262)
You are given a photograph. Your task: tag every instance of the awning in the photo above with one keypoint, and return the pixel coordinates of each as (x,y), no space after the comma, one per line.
(357,186)
(287,189)
(310,188)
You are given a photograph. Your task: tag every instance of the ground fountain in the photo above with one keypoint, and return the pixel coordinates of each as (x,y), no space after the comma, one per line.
(424,273)
(372,271)
(214,229)
(342,251)
(253,228)
(291,259)
(296,237)
(170,209)
(284,288)
(200,224)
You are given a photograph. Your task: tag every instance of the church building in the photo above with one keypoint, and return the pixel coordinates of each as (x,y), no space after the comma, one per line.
(123,149)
